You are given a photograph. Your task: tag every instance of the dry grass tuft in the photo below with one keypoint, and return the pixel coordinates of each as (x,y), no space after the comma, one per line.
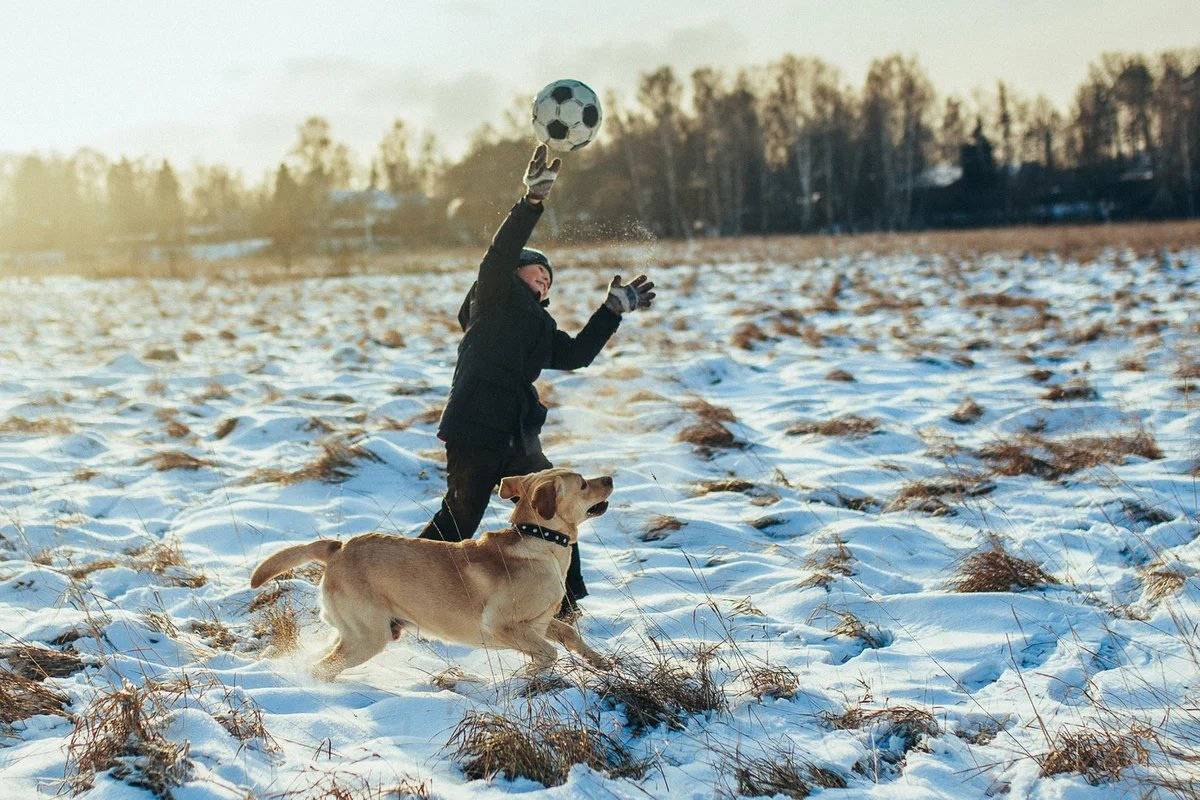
(780,772)
(1099,756)
(849,425)
(1160,582)
(850,626)
(37,663)
(659,527)
(895,731)
(121,731)
(968,411)
(839,375)
(22,697)
(278,623)
(225,427)
(827,565)
(1074,389)
(724,485)
(334,464)
(1003,300)
(538,747)
(42,426)
(657,689)
(214,633)
(391,338)
(244,722)
(177,459)
(708,435)
(997,570)
(161,354)
(165,558)
(926,495)
(1030,454)
(771,681)
(748,334)
(1040,375)
(708,412)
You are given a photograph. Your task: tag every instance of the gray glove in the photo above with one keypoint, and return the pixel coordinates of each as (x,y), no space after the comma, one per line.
(630,296)
(539,177)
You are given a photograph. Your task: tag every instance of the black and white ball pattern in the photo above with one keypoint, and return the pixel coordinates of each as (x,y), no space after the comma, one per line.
(566,115)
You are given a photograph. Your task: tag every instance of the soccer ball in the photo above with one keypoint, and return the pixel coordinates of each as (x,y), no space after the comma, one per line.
(566,115)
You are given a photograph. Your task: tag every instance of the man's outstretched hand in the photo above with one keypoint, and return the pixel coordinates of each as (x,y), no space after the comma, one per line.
(539,177)
(630,296)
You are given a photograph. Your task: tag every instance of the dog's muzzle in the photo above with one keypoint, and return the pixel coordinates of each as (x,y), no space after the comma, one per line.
(598,509)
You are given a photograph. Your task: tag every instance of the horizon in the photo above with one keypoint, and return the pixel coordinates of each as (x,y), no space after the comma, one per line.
(177,97)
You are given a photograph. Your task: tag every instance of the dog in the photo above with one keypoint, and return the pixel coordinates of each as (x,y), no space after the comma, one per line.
(499,591)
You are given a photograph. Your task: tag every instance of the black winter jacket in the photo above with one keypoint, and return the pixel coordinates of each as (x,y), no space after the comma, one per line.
(509,339)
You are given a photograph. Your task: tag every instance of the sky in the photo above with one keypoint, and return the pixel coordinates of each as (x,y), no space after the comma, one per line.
(229,82)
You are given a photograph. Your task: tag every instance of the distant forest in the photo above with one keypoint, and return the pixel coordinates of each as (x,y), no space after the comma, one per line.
(789,147)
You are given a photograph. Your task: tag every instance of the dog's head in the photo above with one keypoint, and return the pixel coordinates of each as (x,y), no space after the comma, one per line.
(557,495)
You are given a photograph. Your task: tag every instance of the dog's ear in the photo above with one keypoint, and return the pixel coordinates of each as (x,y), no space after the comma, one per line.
(512,487)
(545,499)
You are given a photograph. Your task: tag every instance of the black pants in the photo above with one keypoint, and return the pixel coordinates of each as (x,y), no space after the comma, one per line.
(472,473)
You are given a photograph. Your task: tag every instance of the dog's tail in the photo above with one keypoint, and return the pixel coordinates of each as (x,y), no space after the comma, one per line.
(281,562)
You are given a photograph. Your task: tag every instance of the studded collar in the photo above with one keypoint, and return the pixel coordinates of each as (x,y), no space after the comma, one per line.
(529,529)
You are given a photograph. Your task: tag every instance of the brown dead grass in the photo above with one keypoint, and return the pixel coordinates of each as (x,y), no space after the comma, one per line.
(839,375)
(225,427)
(829,564)
(968,411)
(778,772)
(278,625)
(997,570)
(926,495)
(1074,389)
(768,680)
(334,464)
(22,697)
(850,425)
(1005,300)
(538,747)
(1100,756)
(165,558)
(851,626)
(37,663)
(1160,582)
(660,526)
(1030,454)
(122,731)
(41,426)
(746,335)
(657,689)
(168,460)
(214,633)
(902,727)
(708,435)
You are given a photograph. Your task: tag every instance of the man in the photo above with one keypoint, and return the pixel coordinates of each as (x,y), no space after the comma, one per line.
(493,418)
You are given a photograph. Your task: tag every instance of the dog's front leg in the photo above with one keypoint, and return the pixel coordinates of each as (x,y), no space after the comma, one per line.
(569,638)
(520,636)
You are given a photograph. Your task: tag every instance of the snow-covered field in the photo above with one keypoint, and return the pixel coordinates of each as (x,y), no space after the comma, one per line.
(153,436)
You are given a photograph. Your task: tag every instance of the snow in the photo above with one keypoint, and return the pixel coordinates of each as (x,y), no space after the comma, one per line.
(106,365)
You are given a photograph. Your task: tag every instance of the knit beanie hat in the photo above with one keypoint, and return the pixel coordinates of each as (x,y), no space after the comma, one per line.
(531,256)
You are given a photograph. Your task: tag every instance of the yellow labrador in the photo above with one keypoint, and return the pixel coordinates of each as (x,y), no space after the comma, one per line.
(501,590)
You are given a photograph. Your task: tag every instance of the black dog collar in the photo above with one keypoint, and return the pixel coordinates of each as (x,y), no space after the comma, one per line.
(529,529)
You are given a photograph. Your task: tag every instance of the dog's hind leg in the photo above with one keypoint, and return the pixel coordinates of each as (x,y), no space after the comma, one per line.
(569,638)
(352,649)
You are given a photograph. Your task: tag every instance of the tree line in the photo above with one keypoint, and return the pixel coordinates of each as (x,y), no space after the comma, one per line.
(789,147)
